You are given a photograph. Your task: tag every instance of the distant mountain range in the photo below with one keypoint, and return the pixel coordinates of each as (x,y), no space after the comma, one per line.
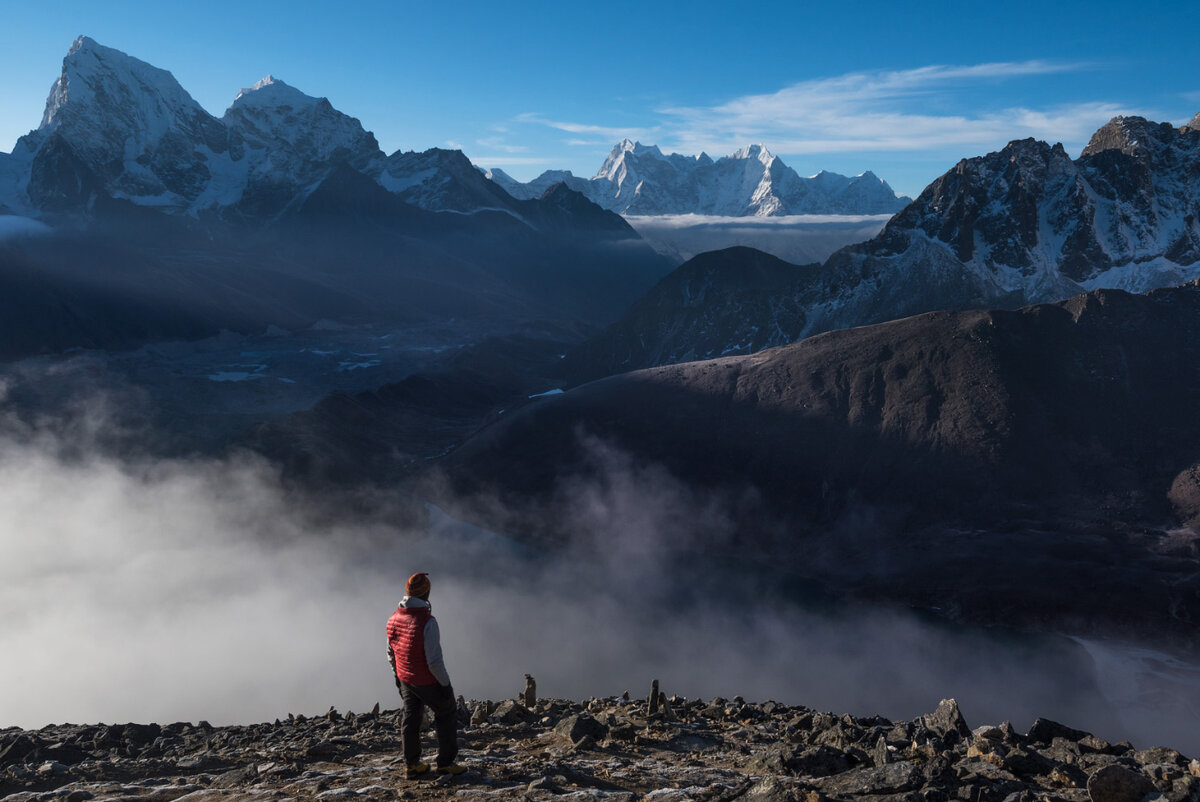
(159,220)
(1026,224)
(118,126)
(639,179)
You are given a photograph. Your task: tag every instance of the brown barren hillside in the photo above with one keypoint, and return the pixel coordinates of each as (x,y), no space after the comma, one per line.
(970,454)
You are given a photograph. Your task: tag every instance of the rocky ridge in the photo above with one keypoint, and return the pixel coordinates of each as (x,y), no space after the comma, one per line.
(639,179)
(1026,224)
(1035,468)
(117,128)
(734,301)
(602,749)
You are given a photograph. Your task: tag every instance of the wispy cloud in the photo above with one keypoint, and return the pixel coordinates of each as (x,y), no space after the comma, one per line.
(886,111)
(498,143)
(607,131)
(879,111)
(501,161)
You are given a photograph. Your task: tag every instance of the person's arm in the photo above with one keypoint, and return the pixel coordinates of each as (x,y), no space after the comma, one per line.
(433,653)
(392,657)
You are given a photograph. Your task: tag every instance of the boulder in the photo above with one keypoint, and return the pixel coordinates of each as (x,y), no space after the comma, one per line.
(573,728)
(1158,755)
(947,722)
(480,713)
(141,733)
(1027,764)
(894,778)
(510,712)
(235,777)
(1044,731)
(820,761)
(775,760)
(1115,783)
(18,749)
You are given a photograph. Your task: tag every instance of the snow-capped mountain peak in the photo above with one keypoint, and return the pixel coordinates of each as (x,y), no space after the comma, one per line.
(118,123)
(636,148)
(295,139)
(639,179)
(270,91)
(96,79)
(755,152)
(93,75)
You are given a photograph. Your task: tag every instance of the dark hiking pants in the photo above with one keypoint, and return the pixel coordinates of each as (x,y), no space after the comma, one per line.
(445,720)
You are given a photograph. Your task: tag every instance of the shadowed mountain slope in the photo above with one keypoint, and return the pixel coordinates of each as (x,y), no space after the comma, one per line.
(733,301)
(1077,417)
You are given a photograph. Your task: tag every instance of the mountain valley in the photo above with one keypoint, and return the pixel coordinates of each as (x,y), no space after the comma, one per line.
(977,407)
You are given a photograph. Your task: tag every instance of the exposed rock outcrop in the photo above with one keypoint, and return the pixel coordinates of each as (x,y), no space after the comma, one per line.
(714,750)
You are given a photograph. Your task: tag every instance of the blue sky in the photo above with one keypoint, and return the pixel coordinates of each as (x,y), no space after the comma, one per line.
(904,90)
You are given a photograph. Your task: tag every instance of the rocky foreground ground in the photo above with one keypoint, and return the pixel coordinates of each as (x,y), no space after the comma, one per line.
(604,749)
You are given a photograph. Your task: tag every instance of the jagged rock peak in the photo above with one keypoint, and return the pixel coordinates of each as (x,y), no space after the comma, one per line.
(757,152)
(1194,125)
(273,115)
(1130,135)
(94,75)
(636,148)
(274,92)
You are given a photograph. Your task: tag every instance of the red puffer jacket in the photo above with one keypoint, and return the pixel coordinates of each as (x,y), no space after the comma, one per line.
(406,637)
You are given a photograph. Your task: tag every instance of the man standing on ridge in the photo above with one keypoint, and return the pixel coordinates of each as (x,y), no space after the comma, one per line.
(415,652)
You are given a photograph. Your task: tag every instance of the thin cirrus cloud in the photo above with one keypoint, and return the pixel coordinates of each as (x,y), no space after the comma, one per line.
(498,144)
(607,131)
(880,111)
(512,161)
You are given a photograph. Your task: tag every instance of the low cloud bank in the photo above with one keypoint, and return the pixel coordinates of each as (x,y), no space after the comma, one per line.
(802,239)
(150,589)
(13,227)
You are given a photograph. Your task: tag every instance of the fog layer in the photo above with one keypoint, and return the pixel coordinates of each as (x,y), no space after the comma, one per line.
(161,590)
(800,239)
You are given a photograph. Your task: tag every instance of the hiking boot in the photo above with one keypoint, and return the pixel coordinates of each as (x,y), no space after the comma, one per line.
(453,768)
(415,770)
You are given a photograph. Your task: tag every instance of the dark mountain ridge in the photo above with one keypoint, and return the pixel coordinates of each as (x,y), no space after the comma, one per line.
(990,436)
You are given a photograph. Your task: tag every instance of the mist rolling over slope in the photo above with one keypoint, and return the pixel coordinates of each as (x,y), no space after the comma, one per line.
(205,589)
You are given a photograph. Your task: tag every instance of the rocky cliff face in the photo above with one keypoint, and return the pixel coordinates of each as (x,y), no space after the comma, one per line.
(1026,224)
(439,179)
(607,749)
(286,143)
(117,123)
